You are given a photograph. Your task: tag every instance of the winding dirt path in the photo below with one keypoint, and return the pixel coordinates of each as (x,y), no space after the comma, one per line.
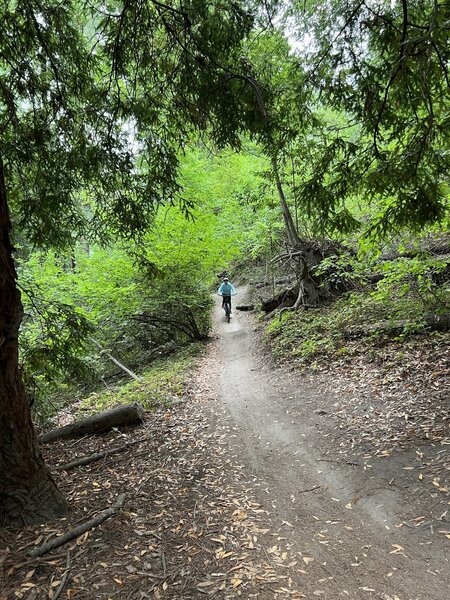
(245,487)
(343,524)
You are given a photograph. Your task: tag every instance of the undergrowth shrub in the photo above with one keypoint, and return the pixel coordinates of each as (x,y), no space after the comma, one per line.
(420,284)
(410,291)
(161,385)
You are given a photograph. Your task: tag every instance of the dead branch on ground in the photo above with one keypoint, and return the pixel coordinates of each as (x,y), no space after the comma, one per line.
(77,531)
(86,460)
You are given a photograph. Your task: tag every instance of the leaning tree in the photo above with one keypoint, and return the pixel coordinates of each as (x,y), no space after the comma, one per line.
(97,100)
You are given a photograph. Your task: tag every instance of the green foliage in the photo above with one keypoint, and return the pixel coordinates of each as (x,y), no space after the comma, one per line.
(97,100)
(411,290)
(304,335)
(234,189)
(161,386)
(54,329)
(358,108)
(412,287)
(342,271)
(142,300)
(101,110)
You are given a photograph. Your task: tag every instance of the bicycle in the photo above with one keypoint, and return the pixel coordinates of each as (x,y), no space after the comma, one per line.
(227,307)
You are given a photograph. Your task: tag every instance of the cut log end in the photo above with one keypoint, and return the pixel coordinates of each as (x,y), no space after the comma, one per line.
(245,307)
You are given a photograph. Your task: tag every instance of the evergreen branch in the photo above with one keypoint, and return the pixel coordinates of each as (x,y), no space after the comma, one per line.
(337,36)
(442,63)
(393,76)
(46,49)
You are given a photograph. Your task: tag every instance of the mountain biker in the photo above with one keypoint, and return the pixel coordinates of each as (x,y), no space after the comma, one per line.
(226,290)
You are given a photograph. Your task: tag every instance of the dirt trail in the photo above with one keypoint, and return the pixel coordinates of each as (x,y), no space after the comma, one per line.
(245,486)
(345,521)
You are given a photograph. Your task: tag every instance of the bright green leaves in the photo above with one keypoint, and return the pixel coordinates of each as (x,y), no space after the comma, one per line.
(140,299)
(96,102)
(55,329)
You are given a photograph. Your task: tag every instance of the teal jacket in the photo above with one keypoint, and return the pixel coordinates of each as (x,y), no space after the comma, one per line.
(226,289)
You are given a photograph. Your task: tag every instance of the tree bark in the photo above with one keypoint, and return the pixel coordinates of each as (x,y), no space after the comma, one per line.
(130,414)
(291,230)
(27,491)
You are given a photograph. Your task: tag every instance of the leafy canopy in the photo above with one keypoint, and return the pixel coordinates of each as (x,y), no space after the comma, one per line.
(146,298)
(97,99)
(358,107)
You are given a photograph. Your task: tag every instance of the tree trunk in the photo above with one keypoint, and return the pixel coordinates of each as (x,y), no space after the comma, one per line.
(291,230)
(27,491)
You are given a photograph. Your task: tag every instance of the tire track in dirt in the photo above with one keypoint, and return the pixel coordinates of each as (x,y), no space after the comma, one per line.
(341,524)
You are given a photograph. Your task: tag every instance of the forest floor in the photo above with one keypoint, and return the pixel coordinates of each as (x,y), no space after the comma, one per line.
(259,483)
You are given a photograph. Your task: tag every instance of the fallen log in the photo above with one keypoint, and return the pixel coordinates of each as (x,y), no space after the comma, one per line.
(131,414)
(245,307)
(77,531)
(439,248)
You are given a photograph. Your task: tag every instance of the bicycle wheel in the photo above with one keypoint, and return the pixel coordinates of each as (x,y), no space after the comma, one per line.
(227,311)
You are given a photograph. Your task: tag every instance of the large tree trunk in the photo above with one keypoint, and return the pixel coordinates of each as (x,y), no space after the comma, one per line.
(27,490)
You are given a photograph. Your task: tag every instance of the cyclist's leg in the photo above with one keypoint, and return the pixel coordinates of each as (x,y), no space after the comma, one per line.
(227,305)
